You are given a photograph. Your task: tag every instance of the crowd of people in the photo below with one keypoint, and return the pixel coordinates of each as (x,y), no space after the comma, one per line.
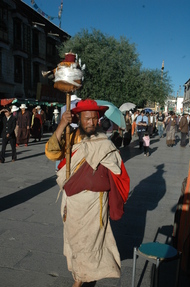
(26,123)
(145,125)
(19,124)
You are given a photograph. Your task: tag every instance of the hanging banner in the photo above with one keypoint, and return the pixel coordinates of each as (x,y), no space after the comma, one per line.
(36,7)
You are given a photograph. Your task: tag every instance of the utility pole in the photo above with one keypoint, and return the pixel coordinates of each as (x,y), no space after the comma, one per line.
(60,13)
(162,69)
(179,90)
(162,72)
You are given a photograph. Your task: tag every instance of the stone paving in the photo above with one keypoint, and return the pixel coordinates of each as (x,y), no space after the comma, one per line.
(31,228)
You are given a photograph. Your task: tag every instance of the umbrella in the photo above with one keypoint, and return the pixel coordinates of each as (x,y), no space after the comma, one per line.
(4,102)
(127,107)
(113,113)
(148,110)
(74,101)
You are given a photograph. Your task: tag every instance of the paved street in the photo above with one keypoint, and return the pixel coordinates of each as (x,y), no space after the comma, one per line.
(31,239)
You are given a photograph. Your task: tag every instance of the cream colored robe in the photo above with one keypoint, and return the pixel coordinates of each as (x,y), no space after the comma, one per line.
(91,250)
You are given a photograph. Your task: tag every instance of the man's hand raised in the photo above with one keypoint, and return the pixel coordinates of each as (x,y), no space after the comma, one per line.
(66,119)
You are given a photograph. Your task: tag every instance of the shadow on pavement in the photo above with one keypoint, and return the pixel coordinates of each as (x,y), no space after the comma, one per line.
(30,156)
(27,193)
(129,231)
(130,152)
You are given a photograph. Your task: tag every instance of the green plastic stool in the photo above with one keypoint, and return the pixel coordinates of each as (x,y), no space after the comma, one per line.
(156,253)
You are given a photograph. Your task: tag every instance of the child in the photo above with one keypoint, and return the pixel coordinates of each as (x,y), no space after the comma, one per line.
(146,143)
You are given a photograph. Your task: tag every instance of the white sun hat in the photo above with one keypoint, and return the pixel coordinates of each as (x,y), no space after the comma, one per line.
(14,109)
(74,97)
(23,106)
(56,111)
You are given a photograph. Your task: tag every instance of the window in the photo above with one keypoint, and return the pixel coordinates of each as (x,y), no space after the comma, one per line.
(35,43)
(3,24)
(3,14)
(36,76)
(51,50)
(17,34)
(26,38)
(18,69)
(27,74)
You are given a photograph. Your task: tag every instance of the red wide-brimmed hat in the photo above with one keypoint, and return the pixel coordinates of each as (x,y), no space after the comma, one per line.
(89,105)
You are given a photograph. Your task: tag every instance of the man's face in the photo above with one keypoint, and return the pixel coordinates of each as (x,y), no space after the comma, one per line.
(88,122)
(7,114)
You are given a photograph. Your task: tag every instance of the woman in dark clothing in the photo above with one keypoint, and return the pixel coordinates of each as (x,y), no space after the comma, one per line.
(36,125)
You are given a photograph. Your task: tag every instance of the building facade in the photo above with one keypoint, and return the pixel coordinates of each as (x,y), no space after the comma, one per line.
(27,47)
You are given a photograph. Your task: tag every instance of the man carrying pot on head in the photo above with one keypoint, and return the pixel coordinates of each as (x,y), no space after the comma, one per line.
(97,188)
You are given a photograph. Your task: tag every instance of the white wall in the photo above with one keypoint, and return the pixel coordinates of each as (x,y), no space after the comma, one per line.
(179,108)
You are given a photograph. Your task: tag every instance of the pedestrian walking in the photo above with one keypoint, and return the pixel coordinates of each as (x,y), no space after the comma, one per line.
(55,119)
(142,124)
(184,128)
(134,125)
(23,126)
(127,132)
(151,124)
(43,117)
(14,111)
(170,129)
(36,125)
(177,122)
(160,123)
(146,144)
(96,168)
(8,134)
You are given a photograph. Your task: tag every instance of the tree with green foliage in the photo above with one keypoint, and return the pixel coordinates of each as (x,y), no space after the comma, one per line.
(154,87)
(113,70)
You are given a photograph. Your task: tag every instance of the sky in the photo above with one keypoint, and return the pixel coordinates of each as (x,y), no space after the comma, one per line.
(158,28)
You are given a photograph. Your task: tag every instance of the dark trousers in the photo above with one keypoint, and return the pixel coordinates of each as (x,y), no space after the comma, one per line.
(183,139)
(141,135)
(23,136)
(150,130)
(13,147)
(146,149)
